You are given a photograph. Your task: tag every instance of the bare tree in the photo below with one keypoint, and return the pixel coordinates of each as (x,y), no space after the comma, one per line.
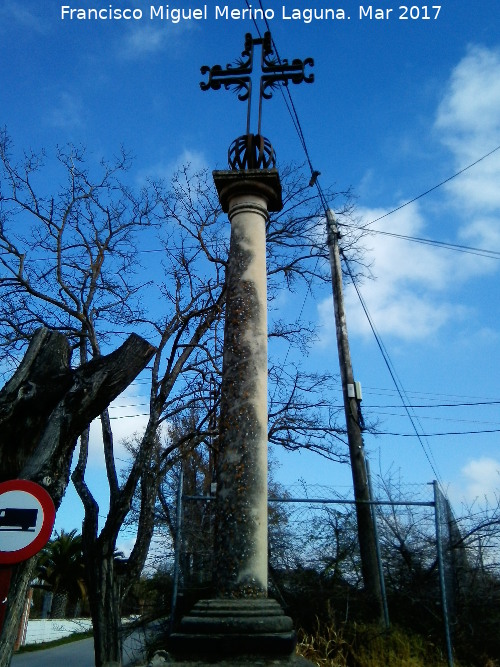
(43,409)
(471,550)
(71,261)
(70,265)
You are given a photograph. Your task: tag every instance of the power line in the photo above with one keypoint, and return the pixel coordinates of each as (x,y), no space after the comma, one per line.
(392,373)
(366,406)
(454,420)
(292,111)
(385,390)
(290,106)
(314,180)
(438,405)
(416,434)
(435,435)
(435,187)
(458,247)
(314,173)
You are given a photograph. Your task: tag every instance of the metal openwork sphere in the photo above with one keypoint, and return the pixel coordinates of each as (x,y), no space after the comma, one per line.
(251,151)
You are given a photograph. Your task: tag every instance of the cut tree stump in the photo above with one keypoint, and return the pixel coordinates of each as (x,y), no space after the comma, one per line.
(44,408)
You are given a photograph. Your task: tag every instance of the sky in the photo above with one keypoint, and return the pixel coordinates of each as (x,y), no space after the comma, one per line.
(399,105)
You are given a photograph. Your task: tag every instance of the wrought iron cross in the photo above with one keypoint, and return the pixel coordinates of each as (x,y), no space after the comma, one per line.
(274,71)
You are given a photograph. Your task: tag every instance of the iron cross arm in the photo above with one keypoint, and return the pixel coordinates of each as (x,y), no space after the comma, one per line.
(237,76)
(283,72)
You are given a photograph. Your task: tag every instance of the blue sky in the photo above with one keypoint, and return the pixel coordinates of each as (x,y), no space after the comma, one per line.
(397,107)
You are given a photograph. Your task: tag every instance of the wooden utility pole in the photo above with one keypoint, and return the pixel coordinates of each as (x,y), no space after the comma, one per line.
(366,533)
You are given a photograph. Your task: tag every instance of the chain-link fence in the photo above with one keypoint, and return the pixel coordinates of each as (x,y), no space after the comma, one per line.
(427,561)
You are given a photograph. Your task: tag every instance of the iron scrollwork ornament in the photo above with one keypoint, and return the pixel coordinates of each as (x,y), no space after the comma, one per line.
(237,77)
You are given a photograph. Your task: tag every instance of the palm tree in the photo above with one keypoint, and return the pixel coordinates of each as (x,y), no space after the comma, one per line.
(61,569)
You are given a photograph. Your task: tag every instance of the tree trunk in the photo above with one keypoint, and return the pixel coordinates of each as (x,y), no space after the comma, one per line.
(21,577)
(29,397)
(59,604)
(106,611)
(109,579)
(43,409)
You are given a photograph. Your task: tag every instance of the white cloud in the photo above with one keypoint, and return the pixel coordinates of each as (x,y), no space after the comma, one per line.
(412,295)
(125,545)
(67,112)
(407,297)
(196,161)
(471,102)
(481,479)
(128,417)
(16,12)
(144,40)
(193,160)
(484,230)
(468,123)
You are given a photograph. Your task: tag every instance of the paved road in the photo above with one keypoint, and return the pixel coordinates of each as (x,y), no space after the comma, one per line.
(76,654)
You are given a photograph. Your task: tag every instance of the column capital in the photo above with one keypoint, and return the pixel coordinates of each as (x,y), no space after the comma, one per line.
(263,182)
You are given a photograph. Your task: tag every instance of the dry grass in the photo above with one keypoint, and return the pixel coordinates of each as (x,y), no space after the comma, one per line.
(354,645)
(326,647)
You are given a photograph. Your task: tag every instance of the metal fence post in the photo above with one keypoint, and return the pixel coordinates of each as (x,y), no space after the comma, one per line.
(442,582)
(177,548)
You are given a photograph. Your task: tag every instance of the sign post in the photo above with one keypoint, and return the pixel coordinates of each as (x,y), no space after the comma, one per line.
(27,516)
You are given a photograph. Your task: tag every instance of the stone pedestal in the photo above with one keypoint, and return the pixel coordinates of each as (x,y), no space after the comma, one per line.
(224,628)
(162,658)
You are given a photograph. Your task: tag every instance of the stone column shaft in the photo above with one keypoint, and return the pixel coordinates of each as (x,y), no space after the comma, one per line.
(241,535)
(241,543)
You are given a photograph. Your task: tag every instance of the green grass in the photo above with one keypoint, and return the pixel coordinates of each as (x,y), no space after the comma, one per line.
(75,637)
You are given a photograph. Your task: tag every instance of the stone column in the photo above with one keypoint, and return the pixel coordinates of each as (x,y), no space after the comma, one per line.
(241,620)
(241,514)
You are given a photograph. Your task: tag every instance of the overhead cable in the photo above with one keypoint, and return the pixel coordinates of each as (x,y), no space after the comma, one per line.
(458,247)
(392,373)
(435,187)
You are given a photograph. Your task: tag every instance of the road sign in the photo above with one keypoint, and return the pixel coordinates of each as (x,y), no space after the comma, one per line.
(27,516)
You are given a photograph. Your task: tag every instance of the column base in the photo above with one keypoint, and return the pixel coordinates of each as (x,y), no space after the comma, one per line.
(162,659)
(229,628)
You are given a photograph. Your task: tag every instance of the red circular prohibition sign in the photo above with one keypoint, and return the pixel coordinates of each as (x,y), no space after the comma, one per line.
(40,539)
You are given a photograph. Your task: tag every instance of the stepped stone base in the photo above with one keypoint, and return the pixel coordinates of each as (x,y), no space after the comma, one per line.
(245,661)
(234,628)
